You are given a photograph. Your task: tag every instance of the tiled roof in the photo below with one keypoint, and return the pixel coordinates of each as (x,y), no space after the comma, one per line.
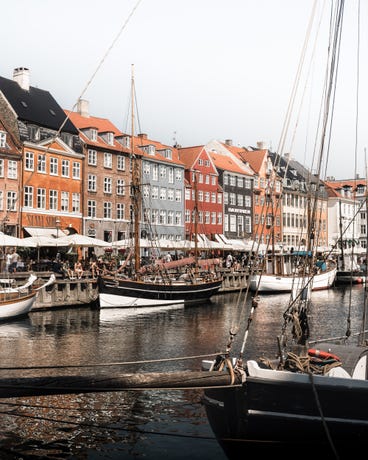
(35,106)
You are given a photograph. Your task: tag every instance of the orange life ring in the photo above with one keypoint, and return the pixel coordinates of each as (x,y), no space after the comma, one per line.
(322,354)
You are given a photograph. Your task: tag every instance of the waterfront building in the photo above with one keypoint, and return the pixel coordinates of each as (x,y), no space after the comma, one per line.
(50,182)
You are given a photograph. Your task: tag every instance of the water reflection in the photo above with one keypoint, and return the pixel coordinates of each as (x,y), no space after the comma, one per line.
(137,424)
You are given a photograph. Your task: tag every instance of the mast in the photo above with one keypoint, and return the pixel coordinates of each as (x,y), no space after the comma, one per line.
(136,189)
(341,239)
(196,212)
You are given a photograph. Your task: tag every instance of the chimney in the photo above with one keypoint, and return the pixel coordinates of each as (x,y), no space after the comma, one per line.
(229,142)
(262,145)
(142,135)
(83,108)
(21,76)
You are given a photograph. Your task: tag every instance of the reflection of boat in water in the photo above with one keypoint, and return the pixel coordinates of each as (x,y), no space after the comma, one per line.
(116,314)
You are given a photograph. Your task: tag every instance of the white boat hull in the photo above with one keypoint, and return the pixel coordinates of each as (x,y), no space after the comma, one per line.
(120,301)
(276,283)
(16,307)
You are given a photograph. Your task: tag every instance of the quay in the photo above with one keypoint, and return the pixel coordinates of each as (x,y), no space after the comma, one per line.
(84,292)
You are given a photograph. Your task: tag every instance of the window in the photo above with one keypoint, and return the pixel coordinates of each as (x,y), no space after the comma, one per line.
(240,181)
(178,196)
(232,181)
(162,171)
(120,187)
(76,170)
(2,139)
(120,211)
(207,179)
(177,218)
(107,185)
(171,194)
(53,200)
(219,198)
(146,191)
(213,197)
(65,201)
(146,168)
(232,199)
(41,163)
(28,196)
(92,157)
(93,134)
(163,193)
(213,218)
(12,169)
(213,180)
(247,183)
(29,163)
(171,175)
(207,197)
(200,195)
(120,163)
(2,163)
(11,199)
(178,174)
(154,191)
(162,217)
(107,207)
(92,183)
(91,208)
(107,160)
(54,166)
(170,217)
(187,216)
(1,200)
(76,202)
(41,198)
(155,172)
(110,138)
(65,167)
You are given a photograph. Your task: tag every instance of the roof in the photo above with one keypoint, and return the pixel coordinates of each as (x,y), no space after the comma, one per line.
(35,106)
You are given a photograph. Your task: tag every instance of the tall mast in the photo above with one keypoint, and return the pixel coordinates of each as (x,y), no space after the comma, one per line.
(136,189)
(196,212)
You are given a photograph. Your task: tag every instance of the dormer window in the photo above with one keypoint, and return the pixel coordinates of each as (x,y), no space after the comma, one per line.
(149,149)
(34,133)
(123,140)
(93,134)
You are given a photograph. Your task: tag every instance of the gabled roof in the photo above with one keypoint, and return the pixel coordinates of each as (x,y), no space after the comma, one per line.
(102,125)
(188,155)
(225,159)
(255,158)
(35,106)
(140,142)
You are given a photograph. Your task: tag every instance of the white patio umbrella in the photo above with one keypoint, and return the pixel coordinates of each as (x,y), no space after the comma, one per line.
(8,240)
(83,241)
(40,242)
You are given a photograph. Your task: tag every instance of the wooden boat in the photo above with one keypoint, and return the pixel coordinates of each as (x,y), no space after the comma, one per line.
(313,399)
(17,301)
(284,272)
(158,284)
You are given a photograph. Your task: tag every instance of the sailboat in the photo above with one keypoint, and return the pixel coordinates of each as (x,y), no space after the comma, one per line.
(312,398)
(179,282)
(17,301)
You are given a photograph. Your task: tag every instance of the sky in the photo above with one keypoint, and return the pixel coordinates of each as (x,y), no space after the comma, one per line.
(203,69)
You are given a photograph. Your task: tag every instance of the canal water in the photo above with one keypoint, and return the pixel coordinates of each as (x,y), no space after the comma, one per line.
(138,424)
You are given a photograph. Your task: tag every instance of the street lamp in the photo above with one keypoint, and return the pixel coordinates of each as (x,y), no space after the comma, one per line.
(57,224)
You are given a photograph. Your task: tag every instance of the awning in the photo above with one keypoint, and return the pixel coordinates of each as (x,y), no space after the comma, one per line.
(42,231)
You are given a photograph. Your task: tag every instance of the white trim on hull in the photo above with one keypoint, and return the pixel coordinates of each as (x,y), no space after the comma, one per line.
(16,307)
(121,301)
(274,283)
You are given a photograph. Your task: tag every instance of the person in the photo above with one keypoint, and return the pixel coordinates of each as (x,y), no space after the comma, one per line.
(13,261)
(78,269)
(94,268)
(67,270)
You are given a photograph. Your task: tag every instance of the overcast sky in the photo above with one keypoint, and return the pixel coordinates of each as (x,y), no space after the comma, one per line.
(204,69)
